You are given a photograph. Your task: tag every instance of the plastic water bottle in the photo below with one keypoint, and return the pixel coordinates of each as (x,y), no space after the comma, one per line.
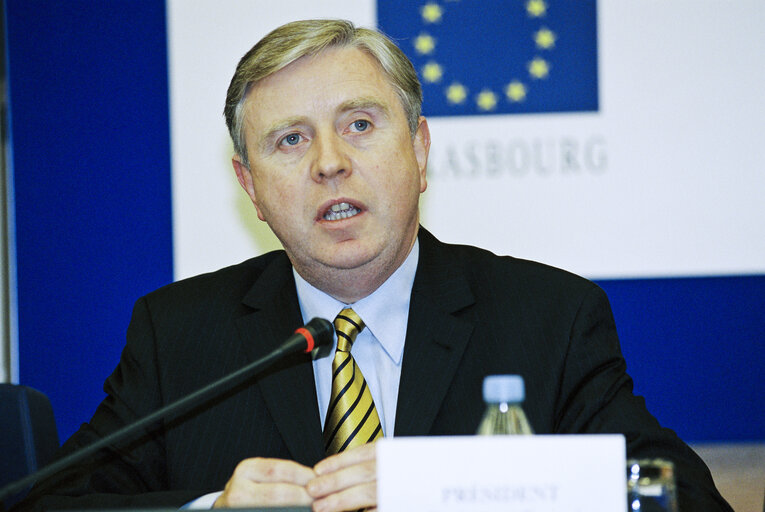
(504,395)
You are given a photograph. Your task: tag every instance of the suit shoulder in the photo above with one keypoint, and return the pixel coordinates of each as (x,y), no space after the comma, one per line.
(493,271)
(499,285)
(233,281)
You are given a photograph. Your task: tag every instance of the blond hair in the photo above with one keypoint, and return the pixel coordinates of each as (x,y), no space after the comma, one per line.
(292,41)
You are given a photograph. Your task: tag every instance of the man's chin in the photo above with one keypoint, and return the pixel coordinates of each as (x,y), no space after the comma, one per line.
(346,261)
(347,255)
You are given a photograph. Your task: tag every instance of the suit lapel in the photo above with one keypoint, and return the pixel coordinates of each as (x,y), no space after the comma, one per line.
(288,387)
(435,342)
(435,338)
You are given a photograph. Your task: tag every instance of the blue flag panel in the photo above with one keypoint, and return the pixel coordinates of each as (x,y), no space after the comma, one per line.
(499,57)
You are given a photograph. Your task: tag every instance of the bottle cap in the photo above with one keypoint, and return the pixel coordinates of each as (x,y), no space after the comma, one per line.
(503,388)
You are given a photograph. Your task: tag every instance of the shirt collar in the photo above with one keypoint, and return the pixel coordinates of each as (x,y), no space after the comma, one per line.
(385,311)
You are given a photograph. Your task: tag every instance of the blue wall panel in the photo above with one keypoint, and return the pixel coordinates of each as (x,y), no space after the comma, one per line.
(695,348)
(90,128)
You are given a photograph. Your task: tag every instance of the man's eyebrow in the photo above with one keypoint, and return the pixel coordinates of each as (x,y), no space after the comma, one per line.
(275,128)
(364,104)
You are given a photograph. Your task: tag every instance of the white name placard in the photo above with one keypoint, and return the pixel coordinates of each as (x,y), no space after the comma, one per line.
(502,473)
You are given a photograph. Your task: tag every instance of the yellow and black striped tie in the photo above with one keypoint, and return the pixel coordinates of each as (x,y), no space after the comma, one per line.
(351,418)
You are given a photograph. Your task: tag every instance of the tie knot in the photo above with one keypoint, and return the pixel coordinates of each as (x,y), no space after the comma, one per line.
(347,325)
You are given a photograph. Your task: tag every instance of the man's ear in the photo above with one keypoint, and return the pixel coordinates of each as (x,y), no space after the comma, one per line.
(421,150)
(244,176)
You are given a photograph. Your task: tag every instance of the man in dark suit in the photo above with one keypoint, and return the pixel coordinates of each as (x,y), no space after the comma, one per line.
(332,151)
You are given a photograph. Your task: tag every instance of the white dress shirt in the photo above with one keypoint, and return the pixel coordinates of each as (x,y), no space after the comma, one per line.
(378,349)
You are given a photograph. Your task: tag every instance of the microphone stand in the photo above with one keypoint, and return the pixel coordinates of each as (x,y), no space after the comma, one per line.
(318,332)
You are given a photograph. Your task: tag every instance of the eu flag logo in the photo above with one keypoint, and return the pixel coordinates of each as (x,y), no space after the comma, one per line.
(498,57)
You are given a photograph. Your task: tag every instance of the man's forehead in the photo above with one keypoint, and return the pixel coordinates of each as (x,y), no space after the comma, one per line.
(331,82)
(344,61)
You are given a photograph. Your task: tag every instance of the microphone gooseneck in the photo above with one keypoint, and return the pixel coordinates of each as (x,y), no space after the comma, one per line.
(315,334)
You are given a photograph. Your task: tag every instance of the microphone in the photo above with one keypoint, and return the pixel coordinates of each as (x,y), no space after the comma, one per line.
(317,334)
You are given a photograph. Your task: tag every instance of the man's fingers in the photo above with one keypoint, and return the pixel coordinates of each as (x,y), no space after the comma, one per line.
(251,494)
(353,498)
(345,459)
(342,479)
(274,470)
(346,481)
(267,482)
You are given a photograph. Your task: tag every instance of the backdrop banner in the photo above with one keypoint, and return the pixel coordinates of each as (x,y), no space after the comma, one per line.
(617,140)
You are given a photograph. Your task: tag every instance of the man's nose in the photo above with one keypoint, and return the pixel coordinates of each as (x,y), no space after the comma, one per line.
(330,158)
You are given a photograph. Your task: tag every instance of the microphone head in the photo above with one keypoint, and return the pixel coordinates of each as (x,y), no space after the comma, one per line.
(323,333)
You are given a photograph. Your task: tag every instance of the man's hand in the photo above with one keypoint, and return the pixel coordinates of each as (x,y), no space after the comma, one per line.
(263,482)
(346,481)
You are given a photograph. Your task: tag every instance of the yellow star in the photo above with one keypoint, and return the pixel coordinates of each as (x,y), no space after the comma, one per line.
(515,91)
(536,8)
(545,38)
(424,44)
(456,93)
(539,68)
(486,100)
(432,72)
(431,12)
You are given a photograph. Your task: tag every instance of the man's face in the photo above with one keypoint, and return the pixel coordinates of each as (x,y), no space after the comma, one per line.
(334,169)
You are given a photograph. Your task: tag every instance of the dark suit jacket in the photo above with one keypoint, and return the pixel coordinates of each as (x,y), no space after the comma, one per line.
(472,314)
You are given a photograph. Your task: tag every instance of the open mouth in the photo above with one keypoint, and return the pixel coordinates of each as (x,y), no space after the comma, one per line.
(339,211)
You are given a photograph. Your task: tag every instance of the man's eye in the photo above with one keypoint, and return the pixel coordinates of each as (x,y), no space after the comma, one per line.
(360,125)
(291,139)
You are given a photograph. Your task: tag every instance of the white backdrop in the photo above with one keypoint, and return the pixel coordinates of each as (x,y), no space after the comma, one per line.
(665,180)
